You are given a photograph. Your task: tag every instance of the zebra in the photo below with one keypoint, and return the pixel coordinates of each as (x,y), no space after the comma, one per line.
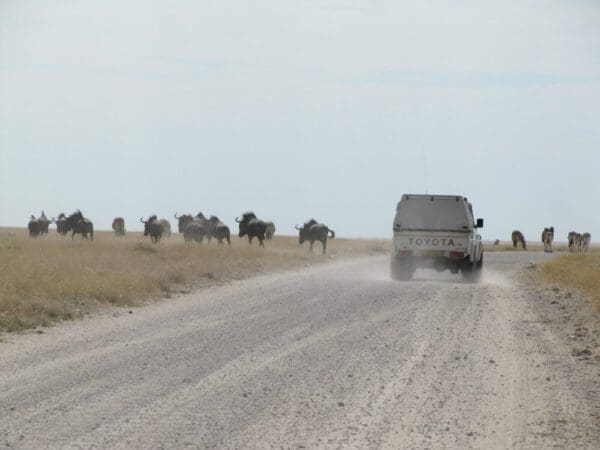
(547,238)
(518,238)
(575,241)
(586,239)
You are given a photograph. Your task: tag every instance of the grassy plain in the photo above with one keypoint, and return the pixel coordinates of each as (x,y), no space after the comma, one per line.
(576,270)
(54,278)
(506,246)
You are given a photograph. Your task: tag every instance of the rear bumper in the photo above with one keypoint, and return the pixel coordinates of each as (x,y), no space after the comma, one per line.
(438,263)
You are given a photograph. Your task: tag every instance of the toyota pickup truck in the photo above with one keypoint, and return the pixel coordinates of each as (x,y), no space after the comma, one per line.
(437,232)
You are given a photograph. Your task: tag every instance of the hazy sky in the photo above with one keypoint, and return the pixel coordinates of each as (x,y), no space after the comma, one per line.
(300,109)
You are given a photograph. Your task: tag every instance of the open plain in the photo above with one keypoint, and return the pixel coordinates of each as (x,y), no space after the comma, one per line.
(333,356)
(54,278)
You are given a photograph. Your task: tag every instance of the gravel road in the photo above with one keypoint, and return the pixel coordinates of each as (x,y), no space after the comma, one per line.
(335,356)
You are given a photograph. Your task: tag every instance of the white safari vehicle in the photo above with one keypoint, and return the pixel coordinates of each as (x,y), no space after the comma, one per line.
(438,232)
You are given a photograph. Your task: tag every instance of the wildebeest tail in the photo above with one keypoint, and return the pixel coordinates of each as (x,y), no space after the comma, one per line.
(332,234)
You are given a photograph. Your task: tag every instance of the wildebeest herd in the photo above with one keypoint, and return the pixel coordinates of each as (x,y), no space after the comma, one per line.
(193,228)
(577,242)
(75,223)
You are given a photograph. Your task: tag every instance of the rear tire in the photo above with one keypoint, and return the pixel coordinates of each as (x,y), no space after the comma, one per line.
(471,272)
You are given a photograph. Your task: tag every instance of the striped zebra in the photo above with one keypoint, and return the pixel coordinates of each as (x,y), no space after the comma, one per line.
(574,241)
(547,238)
(518,238)
(586,239)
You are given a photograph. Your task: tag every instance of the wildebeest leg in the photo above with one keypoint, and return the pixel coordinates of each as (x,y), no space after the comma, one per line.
(324,242)
(73,235)
(310,247)
(228,240)
(261,242)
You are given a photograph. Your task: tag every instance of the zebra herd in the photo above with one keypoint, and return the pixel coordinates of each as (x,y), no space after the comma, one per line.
(577,242)
(193,228)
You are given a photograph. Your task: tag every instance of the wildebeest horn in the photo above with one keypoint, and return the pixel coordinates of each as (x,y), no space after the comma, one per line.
(297,227)
(142,219)
(176,216)
(238,221)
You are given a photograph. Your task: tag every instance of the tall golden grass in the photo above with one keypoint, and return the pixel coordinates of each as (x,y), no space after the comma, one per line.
(54,278)
(576,270)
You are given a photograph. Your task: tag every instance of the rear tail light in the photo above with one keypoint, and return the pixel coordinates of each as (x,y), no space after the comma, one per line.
(456,254)
(405,253)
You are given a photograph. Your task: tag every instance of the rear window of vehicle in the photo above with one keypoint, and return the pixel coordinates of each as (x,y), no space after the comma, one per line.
(432,213)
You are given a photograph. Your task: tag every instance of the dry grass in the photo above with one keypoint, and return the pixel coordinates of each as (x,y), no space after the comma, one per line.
(576,270)
(53,278)
(506,246)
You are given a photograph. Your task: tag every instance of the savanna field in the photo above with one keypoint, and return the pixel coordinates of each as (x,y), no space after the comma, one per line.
(54,278)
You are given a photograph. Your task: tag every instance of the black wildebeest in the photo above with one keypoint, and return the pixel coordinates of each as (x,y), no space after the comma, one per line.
(79,225)
(518,238)
(192,228)
(118,226)
(43,223)
(270,230)
(152,227)
(314,231)
(253,227)
(33,226)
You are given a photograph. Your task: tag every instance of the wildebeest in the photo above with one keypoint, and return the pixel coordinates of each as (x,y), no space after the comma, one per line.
(166,227)
(497,242)
(518,238)
(43,223)
(61,225)
(215,228)
(118,226)
(182,221)
(192,228)
(194,231)
(79,225)
(33,226)
(253,227)
(218,230)
(270,230)
(152,227)
(575,241)
(314,231)
(586,239)
(547,238)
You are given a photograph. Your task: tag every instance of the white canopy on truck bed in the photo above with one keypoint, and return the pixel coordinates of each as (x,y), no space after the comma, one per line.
(433,212)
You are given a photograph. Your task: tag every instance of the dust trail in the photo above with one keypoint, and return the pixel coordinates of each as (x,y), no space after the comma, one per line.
(495,278)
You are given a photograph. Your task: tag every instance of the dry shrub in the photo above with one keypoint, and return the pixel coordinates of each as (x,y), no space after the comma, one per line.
(53,278)
(576,270)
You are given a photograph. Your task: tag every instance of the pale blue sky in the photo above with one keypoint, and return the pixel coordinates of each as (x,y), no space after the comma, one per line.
(300,109)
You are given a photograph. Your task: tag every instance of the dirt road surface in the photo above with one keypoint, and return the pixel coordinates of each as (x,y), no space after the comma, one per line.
(335,356)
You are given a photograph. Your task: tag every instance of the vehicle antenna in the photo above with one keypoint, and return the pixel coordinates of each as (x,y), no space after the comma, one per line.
(425,167)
